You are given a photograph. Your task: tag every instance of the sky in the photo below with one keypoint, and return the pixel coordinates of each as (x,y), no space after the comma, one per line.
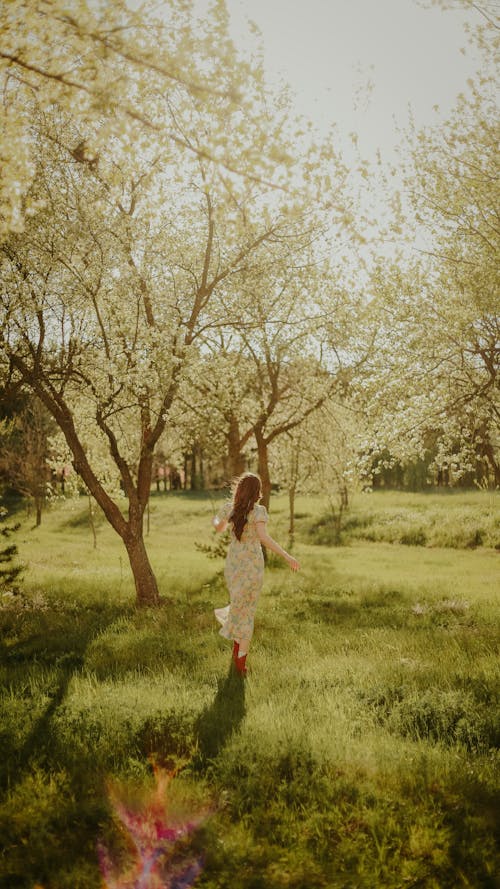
(367,66)
(363,63)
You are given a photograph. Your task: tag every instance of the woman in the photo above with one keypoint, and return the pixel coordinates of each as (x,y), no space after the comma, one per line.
(244,569)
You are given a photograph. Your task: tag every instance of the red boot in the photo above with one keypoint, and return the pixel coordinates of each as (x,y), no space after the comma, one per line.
(240,663)
(236,649)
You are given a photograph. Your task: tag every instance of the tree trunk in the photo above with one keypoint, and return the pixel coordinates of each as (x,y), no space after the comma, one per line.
(145,581)
(194,479)
(235,459)
(490,456)
(91,519)
(38,512)
(291,510)
(263,458)
(294,478)
(202,470)
(344,496)
(131,531)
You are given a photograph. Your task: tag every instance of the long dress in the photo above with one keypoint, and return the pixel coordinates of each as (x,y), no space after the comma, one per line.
(244,573)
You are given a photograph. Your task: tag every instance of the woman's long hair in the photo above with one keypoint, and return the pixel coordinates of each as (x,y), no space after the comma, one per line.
(246,493)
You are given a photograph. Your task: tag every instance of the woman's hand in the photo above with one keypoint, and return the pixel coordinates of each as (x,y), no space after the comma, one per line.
(219,524)
(294,565)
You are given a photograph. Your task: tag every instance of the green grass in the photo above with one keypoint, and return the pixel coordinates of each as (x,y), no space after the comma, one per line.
(455,519)
(362,750)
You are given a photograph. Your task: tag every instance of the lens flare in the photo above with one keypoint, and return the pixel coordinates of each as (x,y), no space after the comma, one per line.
(160,857)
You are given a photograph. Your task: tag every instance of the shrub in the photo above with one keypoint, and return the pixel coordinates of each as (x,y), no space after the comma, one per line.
(475,538)
(414,537)
(10,571)
(42,827)
(326,531)
(450,717)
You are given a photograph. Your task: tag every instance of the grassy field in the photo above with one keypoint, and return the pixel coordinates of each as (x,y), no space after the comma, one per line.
(361,751)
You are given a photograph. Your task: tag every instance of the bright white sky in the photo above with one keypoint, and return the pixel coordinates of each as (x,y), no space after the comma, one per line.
(361,63)
(365,65)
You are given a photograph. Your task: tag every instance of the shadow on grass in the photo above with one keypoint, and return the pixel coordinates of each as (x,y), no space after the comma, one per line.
(54,641)
(380,608)
(221,718)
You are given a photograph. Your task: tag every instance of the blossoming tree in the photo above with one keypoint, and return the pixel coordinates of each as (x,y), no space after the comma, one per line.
(150,195)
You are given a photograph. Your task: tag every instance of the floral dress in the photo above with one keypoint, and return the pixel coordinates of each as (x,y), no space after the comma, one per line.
(244,573)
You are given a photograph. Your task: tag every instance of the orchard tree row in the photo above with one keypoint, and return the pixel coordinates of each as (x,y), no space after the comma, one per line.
(180,267)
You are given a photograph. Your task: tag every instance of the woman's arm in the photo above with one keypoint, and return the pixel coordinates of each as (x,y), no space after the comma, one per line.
(269,543)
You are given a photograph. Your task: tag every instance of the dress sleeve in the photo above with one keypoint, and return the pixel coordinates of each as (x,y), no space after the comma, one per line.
(261,514)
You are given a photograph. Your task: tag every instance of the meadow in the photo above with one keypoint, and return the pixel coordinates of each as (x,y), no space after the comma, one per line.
(361,751)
